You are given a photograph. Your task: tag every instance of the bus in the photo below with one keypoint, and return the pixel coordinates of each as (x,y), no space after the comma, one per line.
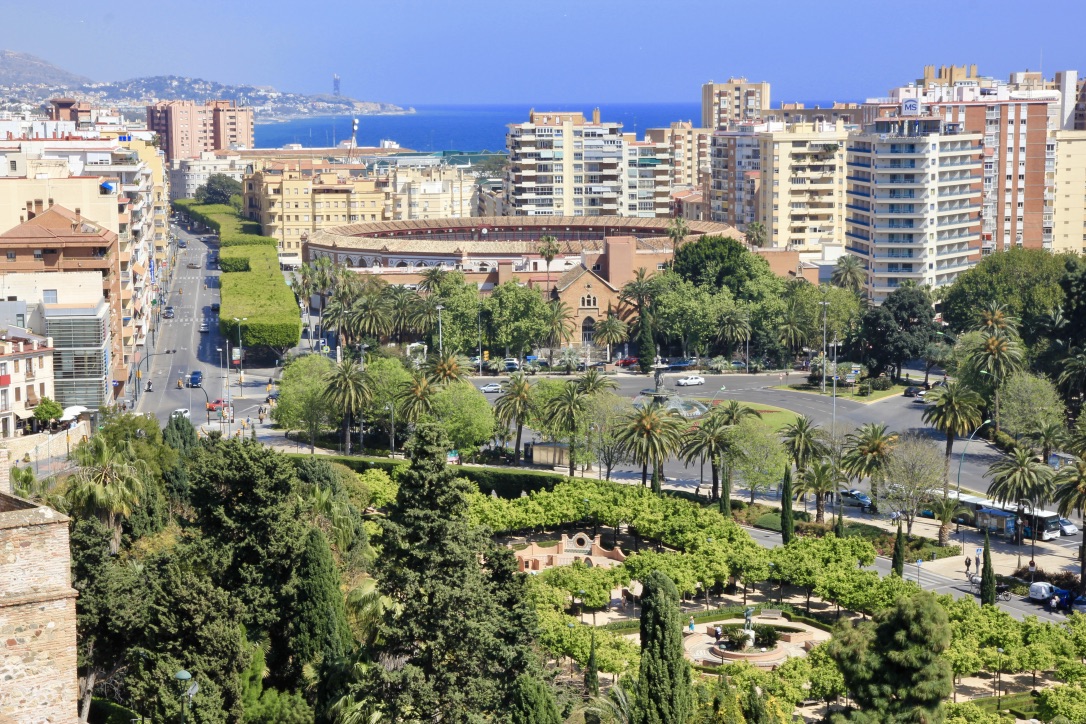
(1042,524)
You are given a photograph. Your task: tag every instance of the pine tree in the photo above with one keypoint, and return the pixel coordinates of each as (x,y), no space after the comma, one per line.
(591,672)
(788,521)
(663,691)
(533,703)
(756,712)
(320,618)
(646,348)
(987,576)
(897,563)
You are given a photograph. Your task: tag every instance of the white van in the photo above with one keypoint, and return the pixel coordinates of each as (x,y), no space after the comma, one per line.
(1041,591)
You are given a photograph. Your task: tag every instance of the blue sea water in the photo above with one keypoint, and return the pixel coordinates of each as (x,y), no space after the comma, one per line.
(460,128)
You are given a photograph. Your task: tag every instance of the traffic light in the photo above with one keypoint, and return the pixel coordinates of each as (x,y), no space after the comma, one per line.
(486,355)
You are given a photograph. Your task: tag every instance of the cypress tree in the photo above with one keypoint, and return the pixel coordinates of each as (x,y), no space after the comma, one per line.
(646,348)
(663,691)
(839,526)
(533,703)
(591,672)
(788,521)
(656,483)
(987,576)
(897,563)
(756,712)
(724,503)
(321,618)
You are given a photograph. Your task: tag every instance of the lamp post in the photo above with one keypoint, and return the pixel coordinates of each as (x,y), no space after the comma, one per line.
(962,460)
(833,423)
(825,306)
(139,373)
(440,334)
(241,364)
(183,677)
(999,681)
(392,409)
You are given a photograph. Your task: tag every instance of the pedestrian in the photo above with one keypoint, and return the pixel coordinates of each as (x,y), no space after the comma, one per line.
(697,491)
(968,560)
(717,631)
(977,561)
(248,421)
(691,624)
(1054,604)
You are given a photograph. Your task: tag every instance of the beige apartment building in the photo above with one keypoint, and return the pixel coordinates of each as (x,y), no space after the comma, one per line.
(26,376)
(803,173)
(648,182)
(690,151)
(736,100)
(562,164)
(735,173)
(187,129)
(428,192)
(1069,192)
(189,174)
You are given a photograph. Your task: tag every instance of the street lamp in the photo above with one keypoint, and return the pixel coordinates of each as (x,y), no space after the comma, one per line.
(183,677)
(139,365)
(999,681)
(825,307)
(241,364)
(440,335)
(392,408)
(962,460)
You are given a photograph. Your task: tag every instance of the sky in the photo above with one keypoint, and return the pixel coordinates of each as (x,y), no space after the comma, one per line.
(418,52)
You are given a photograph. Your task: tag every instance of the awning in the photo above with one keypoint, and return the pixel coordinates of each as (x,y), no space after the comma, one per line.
(108,186)
(139,269)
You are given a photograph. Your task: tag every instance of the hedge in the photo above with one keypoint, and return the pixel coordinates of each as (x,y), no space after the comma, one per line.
(252,286)
(103,711)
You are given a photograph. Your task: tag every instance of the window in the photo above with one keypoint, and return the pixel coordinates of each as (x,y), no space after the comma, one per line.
(588,300)
(49,296)
(11,256)
(38,255)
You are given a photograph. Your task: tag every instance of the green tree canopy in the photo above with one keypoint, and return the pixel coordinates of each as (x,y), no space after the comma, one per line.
(724,263)
(517,316)
(302,401)
(663,691)
(47,410)
(465,414)
(218,189)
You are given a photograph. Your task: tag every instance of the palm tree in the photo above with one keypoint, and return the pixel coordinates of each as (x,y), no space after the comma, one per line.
(367,610)
(416,398)
(336,317)
(400,303)
(1073,372)
(804,441)
(1020,478)
(733,326)
(324,277)
(1048,437)
(592,382)
(731,413)
(849,273)
(557,325)
(954,410)
(677,230)
(514,407)
(348,390)
(447,369)
(650,434)
(370,316)
(638,293)
(866,453)
(820,478)
(432,280)
(791,332)
(566,411)
(617,707)
(424,314)
(946,511)
(994,318)
(999,355)
(109,483)
(611,330)
(709,440)
(1070,496)
(755,234)
(548,249)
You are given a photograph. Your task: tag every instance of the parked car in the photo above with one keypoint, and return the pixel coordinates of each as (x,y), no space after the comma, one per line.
(912,391)
(272,397)
(511,366)
(168,313)
(856,498)
(204,326)
(595,365)
(182,244)
(1067,527)
(196,378)
(180,412)
(511,362)
(683,364)
(215,307)
(920,400)
(216,405)
(690,380)
(739,364)
(627,362)
(1042,591)
(492,387)
(193,265)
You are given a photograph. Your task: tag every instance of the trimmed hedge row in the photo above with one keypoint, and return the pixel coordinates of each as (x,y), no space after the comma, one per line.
(252,286)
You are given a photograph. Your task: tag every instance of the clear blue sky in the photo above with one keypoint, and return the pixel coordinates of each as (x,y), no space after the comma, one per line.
(558,51)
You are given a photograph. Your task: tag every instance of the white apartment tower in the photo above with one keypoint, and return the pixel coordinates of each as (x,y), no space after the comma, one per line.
(561,164)
(914,202)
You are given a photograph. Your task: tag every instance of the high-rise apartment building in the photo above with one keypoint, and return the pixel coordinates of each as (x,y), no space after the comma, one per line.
(187,129)
(914,198)
(735,173)
(648,183)
(1069,192)
(690,151)
(736,100)
(427,192)
(802,202)
(562,164)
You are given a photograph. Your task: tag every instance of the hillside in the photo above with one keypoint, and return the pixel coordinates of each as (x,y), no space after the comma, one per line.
(24,69)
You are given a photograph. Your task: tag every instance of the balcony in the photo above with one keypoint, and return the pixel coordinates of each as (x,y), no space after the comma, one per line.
(5,380)
(30,375)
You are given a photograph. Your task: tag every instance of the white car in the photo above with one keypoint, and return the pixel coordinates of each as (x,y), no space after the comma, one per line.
(205,327)
(1067,527)
(492,387)
(181,412)
(690,380)
(510,362)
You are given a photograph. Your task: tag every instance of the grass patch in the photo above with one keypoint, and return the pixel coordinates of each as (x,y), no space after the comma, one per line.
(842,392)
(775,417)
(915,546)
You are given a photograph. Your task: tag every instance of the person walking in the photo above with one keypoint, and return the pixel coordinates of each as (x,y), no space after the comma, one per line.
(968,560)
(976,560)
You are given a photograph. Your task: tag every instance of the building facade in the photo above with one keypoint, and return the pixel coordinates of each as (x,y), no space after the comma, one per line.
(736,100)
(802,176)
(735,173)
(649,173)
(26,376)
(915,188)
(186,129)
(1069,192)
(189,174)
(562,164)
(428,192)
(690,150)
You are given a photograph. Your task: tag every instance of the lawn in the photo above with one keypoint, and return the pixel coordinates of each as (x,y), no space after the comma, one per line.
(844,394)
(776,417)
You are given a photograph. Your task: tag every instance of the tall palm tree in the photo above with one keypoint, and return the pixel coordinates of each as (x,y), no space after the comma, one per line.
(109,483)
(709,440)
(999,355)
(650,434)
(866,452)
(639,293)
(804,441)
(514,406)
(370,316)
(447,369)
(592,382)
(953,410)
(416,398)
(820,478)
(336,317)
(611,330)
(432,280)
(849,273)
(1021,479)
(1073,372)
(1070,495)
(567,410)
(424,314)
(557,325)
(324,278)
(348,390)
(791,331)
(677,229)
(994,318)
(755,235)
(548,249)
(1048,437)
(946,511)
(401,305)
(733,327)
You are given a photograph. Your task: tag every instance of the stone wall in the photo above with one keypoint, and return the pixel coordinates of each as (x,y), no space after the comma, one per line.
(37,615)
(48,451)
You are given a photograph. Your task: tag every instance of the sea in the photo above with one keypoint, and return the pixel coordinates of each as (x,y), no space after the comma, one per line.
(459,128)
